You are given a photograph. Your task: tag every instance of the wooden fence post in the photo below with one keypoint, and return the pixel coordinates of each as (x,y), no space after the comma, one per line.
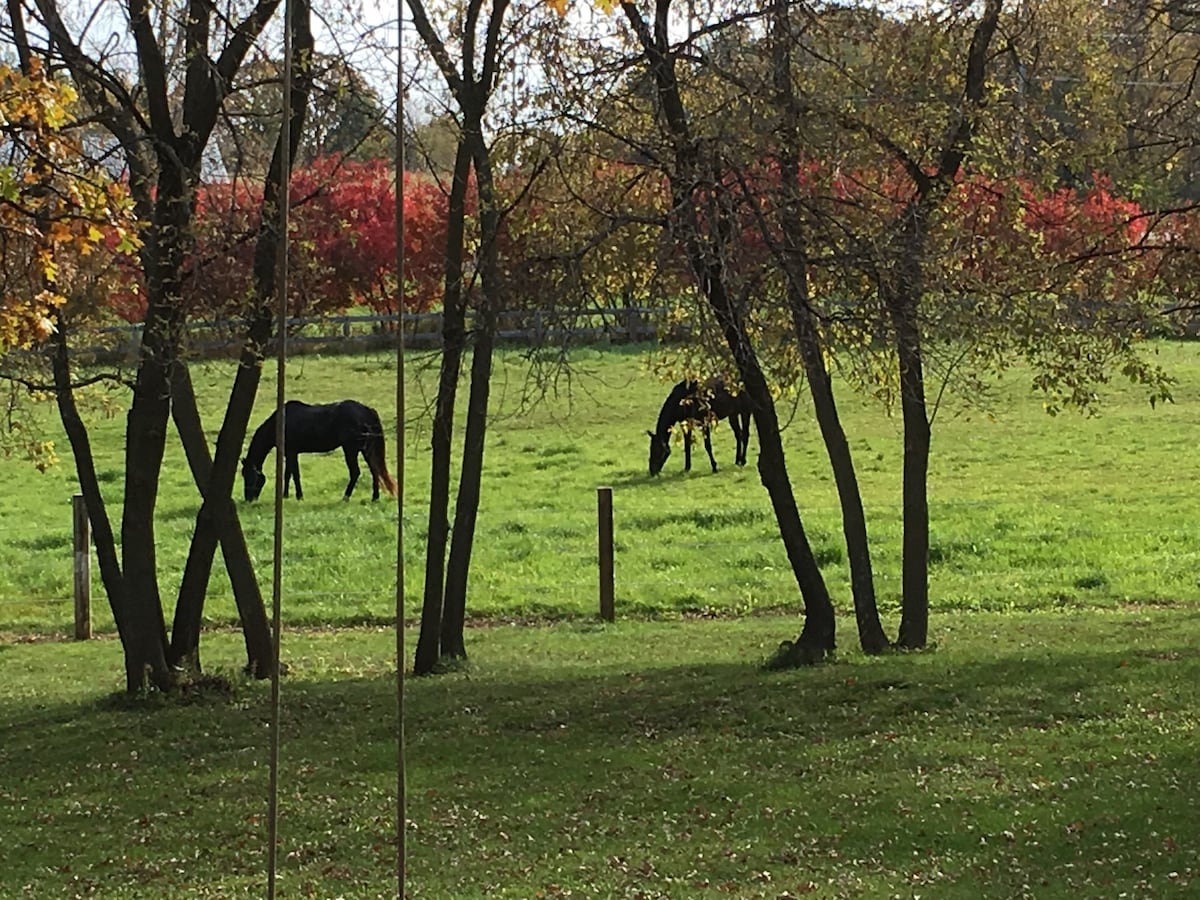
(604,534)
(83,568)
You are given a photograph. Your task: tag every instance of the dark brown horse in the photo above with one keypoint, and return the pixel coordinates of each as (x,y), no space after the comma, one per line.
(694,403)
(320,428)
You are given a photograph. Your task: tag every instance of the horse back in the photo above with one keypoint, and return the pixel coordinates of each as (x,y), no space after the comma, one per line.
(723,404)
(319,428)
(697,401)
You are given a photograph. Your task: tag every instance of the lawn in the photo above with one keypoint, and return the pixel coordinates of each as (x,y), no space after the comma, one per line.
(1044,754)
(1028,511)
(1042,747)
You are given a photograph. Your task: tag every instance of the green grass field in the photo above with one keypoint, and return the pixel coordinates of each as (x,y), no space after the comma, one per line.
(1027,511)
(1043,747)
(1046,755)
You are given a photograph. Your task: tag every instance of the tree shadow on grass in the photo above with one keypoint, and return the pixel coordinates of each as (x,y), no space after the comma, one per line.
(1044,758)
(844,701)
(700,699)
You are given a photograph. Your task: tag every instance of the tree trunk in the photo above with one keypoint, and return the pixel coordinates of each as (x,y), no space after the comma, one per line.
(454,338)
(85,468)
(466,510)
(146,647)
(217,519)
(702,233)
(871,636)
(914,619)
(184,652)
(145,437)
(817,639)
(794,251)
(901,295)
(454,613)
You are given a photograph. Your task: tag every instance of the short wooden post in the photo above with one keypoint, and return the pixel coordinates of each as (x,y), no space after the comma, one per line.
(604,533)
(83,568)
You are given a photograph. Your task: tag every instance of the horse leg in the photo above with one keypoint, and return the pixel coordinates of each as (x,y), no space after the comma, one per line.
(742,432)
(687,450)
(292,464)
(351,455)
(708,445)
(374,474)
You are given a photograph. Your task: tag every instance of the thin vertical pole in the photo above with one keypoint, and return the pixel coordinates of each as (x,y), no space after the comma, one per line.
(401,653)
(83,568)
(285,146)
(604,539)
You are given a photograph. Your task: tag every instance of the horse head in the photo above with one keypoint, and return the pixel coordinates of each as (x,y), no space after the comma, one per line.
(660,449)
(254,479)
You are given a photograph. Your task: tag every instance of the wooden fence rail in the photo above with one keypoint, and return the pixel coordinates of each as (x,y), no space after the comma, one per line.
(354,333)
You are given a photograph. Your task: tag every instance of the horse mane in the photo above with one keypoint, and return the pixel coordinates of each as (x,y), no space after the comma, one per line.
(262,442)
(673,410)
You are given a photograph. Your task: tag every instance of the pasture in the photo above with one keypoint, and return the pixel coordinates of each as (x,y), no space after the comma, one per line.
(1027,511)
(1043,748)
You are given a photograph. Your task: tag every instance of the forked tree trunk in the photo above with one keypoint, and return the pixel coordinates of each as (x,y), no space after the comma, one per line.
(164,143)
(902,295)
(217,520)
(695,230)
(794,251)
(466,511)
(470,71)
(454,338)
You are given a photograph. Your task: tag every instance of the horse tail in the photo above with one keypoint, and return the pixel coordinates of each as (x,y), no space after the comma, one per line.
(376,453)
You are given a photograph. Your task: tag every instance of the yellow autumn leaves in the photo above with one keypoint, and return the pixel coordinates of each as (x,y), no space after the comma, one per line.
(56,207)
(561,6)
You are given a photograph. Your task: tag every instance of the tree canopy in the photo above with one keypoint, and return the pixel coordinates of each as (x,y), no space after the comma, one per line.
(58,210)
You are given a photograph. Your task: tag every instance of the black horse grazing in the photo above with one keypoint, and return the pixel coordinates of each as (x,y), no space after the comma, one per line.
(694,403)
(318,429)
